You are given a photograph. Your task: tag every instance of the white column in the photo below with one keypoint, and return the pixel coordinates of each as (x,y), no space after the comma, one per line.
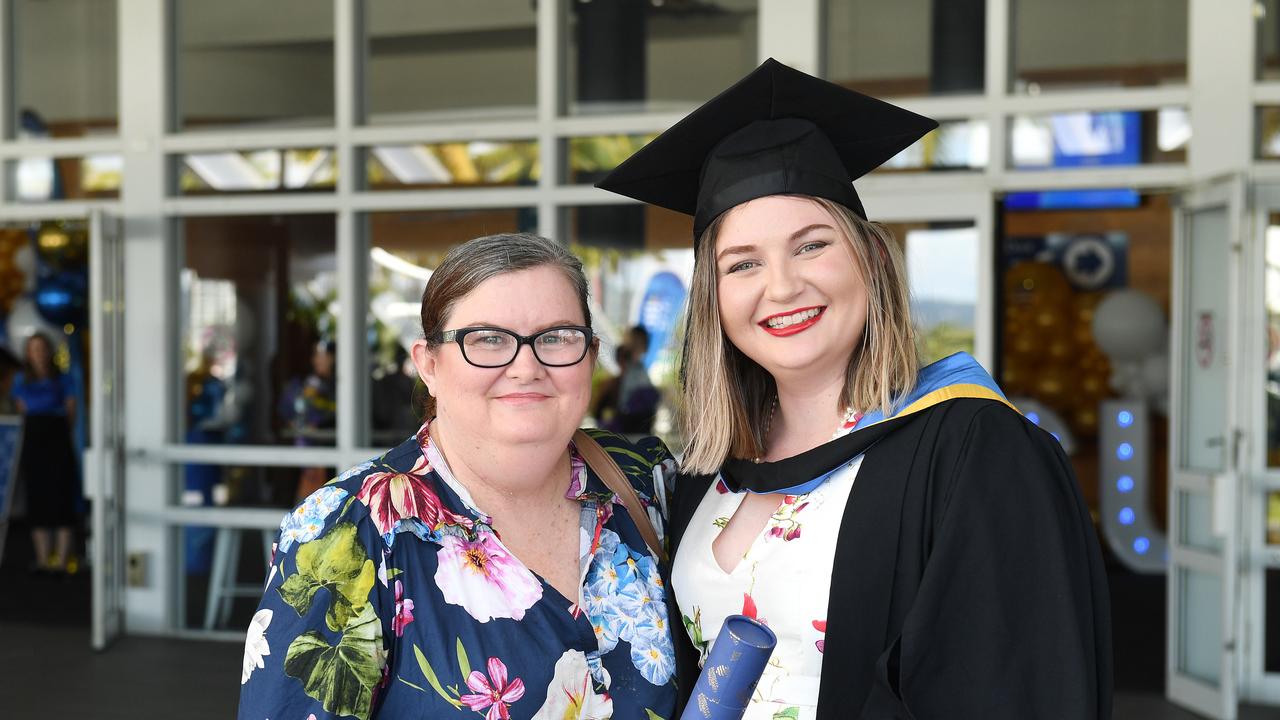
(150,323)
(791,33)
(1221,70)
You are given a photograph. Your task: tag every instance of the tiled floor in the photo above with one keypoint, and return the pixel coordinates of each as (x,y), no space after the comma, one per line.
(47,669)
(50,672)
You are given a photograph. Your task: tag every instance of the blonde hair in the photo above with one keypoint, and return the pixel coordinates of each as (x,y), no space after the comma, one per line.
(730,395)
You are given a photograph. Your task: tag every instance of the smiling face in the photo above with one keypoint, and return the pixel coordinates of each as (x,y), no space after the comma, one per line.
(525,401)
(791,296)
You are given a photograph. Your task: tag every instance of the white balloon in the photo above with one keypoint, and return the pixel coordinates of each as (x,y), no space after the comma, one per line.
(24,321)
(24,260)
(1129,325)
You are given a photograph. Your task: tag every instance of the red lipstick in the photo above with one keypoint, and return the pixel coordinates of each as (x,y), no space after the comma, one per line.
(796,327)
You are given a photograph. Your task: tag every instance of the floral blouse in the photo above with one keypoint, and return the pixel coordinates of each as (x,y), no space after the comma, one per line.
(783,580)
(390,594)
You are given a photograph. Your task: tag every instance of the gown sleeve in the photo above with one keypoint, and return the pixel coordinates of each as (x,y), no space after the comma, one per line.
(319,643)
(1012,616)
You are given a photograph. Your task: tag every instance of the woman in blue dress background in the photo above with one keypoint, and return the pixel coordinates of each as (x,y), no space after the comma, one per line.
(44,395)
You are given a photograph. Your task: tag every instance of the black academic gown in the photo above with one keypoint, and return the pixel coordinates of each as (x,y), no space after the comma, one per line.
(967,580)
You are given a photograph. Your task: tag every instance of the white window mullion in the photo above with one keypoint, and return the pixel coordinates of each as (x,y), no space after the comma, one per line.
(551,50)
(352,394)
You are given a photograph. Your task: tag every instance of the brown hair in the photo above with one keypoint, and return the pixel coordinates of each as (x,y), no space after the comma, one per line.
(733,394)
(473,262)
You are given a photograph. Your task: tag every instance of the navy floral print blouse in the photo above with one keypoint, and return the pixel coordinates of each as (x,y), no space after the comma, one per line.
(391,595)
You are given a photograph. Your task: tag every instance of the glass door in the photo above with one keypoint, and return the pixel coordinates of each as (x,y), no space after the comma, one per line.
(1203,478)
(104,458)
(1260,500)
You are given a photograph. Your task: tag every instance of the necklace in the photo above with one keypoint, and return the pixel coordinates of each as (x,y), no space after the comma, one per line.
(851,418)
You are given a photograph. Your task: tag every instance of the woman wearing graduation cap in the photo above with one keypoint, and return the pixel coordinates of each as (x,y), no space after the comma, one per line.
(920,549)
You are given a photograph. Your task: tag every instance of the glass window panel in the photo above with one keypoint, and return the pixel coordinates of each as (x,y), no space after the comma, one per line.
(1097,43)
(404,247)
(1271,601)
(639,262)
(256,171)
(44,179)
(1266,13)
(1199,629)
(942,272)
(1267,119)
(1271,299)
(432,60)
(1207,308)
(1195,520)
(243,62)
(475,163)
(1273,518)
(258,323)
(936,48)
(589,159)
(1099,139)
(955,145)
(635,55)
(64,68)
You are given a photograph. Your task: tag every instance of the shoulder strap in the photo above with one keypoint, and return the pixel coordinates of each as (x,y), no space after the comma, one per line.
(607,468)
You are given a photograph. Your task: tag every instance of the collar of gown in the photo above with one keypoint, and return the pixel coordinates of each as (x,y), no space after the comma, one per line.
(955,376)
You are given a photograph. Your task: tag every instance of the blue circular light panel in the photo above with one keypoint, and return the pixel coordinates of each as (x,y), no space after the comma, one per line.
(1124,451)
(1124,484)
(1141,545)
(1034,417)
(1126,516)
(1124,418)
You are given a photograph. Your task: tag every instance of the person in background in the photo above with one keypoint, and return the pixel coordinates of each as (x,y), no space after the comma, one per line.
(637,398)
(309,408)
(43,394)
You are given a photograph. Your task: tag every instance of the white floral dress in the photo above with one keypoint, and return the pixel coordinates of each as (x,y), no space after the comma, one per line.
(783,580)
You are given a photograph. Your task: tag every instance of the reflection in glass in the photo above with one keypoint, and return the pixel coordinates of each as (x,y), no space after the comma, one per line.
(935,48)
(293,170)
(1120,43)
(1099,139)
(259,299)
(639,263)
(64,68)
(243,62)
(1267,121)
(477,163)
(224,569)
(636,55)
(42,179)
(588,159)
(432,61)
(403,250)
(1271,299)
(1273,518)
(942,272)
(1200,646)
(1266,14)
(955,145)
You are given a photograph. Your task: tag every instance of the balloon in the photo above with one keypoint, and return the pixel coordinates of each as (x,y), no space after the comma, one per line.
(24,321)
(63,245)
(1129,325)
(61,298)
(1036,283)
(24,262)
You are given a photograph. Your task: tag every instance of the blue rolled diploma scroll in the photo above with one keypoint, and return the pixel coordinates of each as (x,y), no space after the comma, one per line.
(731,670)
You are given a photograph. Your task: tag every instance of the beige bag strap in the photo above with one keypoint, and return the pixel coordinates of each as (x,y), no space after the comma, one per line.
(599,459)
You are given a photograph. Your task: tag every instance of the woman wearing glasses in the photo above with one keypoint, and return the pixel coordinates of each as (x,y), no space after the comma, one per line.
(481,566)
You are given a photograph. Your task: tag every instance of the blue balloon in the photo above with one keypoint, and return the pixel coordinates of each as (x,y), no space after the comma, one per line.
(60,298)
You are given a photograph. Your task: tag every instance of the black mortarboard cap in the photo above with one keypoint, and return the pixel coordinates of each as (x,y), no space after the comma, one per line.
(776,131)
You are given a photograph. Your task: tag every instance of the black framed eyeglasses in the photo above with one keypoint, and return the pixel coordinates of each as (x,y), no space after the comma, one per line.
(492,347)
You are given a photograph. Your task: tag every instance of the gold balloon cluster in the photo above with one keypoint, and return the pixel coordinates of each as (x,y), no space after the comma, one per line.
(1049,351)
(12,280)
